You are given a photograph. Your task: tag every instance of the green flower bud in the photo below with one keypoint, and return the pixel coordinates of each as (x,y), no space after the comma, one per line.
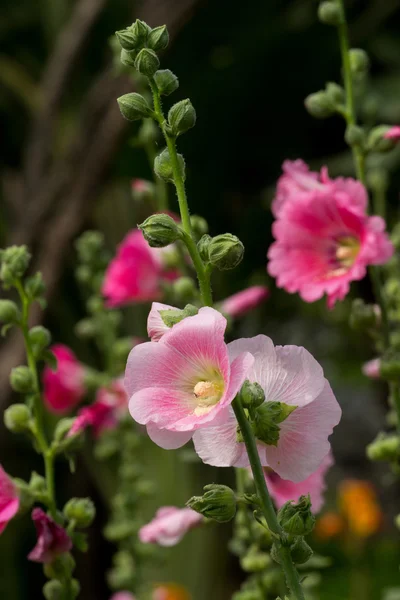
(40,338)
(163,166)
(377,142)
(53,590)
(9,312)
(62,428)
(359,61)
(37,484)
(203,246)
(167,82)
(255,561)
(80,510)
(128,57)
(158,38)
(21,380)
(17,418)
(126,38)
(335,93)
(330,13)
(199,225)
(251,395)
(182,117)
(267,418)
(385,447)
(133,107)
(297,519)
(14,262)
(160,230)
(25,496)
(184,289)
(364,316)
(89,245)
(225,251)
(34,286)
(83,274)
(85,328)
(354,135)
(390,366)
(218,503)
(172,317)
(140,32)
(300,551)
(147,62)
(320,105)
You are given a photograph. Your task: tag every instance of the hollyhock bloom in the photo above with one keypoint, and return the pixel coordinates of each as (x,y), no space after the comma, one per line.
(324,238)
(244,301)
(372,368)
(111,403)
(287,374)
(393,133)
(169,526)
(136,272)
(283,490)
(63,388)
(52,539)
(185,380)
(9,500)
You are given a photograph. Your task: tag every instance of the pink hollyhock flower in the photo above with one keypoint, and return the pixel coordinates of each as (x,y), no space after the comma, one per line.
(123,596)
(393,133)
(9,500)
(287,374)
(283,490)
(136,272)
(185,380)
(155,325)
(52,539)
(169,526)
(244,301)
(111,403)
(63,388)
(324,238)
(372,368)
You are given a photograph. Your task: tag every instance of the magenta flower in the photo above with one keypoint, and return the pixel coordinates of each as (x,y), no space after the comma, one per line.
(9,499)
(136,272)
(287,374)
(283,490)
(324,238)
(52,539)
(169,526)
(244,301)
(372,368)
(185,380)
(63,388)
(393,133)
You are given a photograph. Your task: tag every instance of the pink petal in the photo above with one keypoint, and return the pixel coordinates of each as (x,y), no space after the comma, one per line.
(155,325)
(169,440)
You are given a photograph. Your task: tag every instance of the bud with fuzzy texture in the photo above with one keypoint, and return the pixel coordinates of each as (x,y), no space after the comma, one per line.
(199,225)
(140,33)
(158,38)
(320,105)
(267,418)
(359,61)
(14,262)
(127,39)
(147,62)
(251,394)
(182,117)
(34,286)
(133,107)
(355,135)
(297,519)
(128,57)
(21,380)
(300,551)
(385,448)
(225,251)
(203,246)
(163,166)
(218,503)
(40,338)
(160,230)
(80,510)
(17,418)
(330,13)
(9,312)
(166,81)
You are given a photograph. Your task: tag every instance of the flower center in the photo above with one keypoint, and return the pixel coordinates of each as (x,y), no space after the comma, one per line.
(207,394)
(347,250)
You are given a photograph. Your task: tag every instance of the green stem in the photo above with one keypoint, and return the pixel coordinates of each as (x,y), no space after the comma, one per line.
(292,576)
(203,275)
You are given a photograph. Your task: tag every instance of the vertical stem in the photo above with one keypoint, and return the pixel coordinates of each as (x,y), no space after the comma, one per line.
(161,187)
(292,576)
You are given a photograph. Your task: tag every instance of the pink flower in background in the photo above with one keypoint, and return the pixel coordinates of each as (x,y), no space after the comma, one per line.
(136,272)
(244,301)
(155,325)
(283,490)
(169,526)
(324,238)
(185,380)
(52,539)
(63,388)
(123,596)
(393,133)
(372,368)
(287,374)
(9,500)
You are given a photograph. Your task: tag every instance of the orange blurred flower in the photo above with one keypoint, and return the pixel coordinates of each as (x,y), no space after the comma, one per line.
(329,525)
(170,591)
(359,505)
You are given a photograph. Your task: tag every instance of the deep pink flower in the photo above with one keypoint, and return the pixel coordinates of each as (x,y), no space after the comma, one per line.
(52,539)
(283,490)
(324,238)
(9,500)
(372,368)
(244,301)
(185,380)
(63,388)
(123,596)
(287,374)
(169,526)
(136,272)
(393,133)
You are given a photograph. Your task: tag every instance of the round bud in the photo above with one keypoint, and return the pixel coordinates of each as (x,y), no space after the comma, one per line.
(300,551)
(320,105)
(160,230)
(128,57)
(21,380)
(225,251)
(40,338)
(359,61)
(297,519)
(203,246)
(126,39)
(385,448)
(17,418)
(163,166)
(14,262)
(377,142)
(167,82)
(354,135)
(182,117)
(330,13)
(53,590)
(80,510)
(252,394)
(133,107)
(140,32)
(88,246)
(335,93)
(184,290)
(199,225)
(158,38)
(85,328)
(34,286)
(218,503)
(9,312)
(147,62)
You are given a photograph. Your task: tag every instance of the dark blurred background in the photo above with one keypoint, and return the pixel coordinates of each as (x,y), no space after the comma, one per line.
(67,163)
